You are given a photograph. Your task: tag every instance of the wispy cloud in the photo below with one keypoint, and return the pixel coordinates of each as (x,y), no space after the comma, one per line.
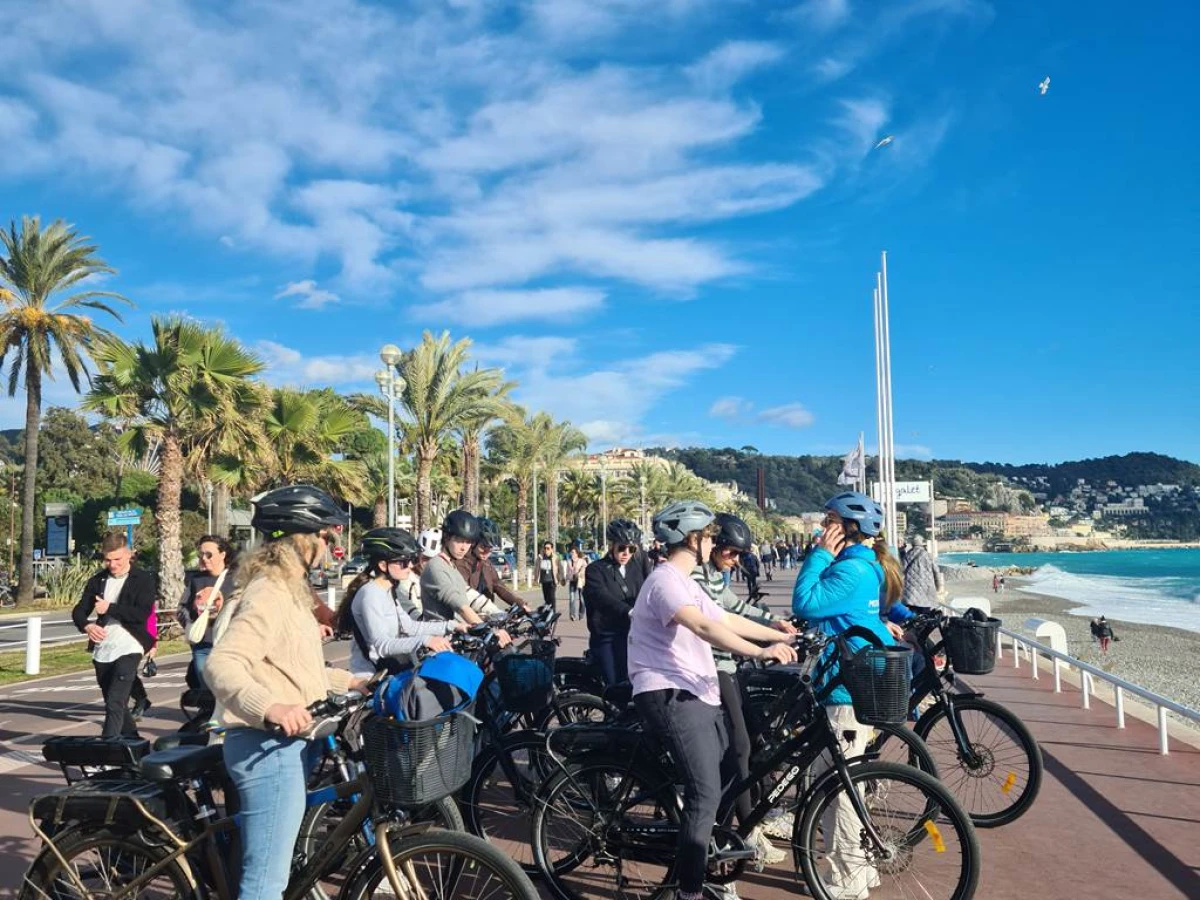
(311,296)
(821,15)
(790,415)
(732,61)
(729,407)
(288,366)
(484,308)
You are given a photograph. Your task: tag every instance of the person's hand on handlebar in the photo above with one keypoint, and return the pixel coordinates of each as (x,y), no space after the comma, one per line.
(781,652)
(895,630)
(292,719)
(785,626)
(502,637)
(437,644)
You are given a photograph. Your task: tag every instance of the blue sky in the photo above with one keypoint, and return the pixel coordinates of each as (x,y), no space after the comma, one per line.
(663,217)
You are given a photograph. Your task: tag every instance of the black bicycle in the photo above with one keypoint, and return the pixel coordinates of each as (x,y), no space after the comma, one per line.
(606,824)
(984,753)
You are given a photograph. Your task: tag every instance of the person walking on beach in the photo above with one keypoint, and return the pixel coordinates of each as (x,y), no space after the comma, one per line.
(1104,633)
(995,584)
(922,579)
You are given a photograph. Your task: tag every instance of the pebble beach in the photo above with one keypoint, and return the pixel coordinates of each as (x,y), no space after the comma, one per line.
(1163,660)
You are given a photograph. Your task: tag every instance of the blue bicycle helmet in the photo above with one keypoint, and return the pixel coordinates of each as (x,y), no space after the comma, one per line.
(859,508)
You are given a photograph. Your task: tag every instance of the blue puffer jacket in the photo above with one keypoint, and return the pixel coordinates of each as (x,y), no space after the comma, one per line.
(834,594)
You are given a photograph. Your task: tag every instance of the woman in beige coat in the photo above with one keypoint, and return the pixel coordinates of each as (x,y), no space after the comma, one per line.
(265,669)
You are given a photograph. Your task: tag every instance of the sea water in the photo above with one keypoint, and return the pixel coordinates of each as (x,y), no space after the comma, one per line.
(1157,587)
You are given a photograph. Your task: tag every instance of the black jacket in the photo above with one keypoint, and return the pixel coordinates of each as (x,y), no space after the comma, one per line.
(608,598)
(131,609)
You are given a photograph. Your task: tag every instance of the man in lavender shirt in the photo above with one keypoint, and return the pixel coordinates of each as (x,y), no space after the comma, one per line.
(674,626)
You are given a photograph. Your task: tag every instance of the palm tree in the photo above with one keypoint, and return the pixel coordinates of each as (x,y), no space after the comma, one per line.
(579,493)
(305,430)
(38,268)
(191,391)
(517,448)
(470,433)
(439,396)
(563,442)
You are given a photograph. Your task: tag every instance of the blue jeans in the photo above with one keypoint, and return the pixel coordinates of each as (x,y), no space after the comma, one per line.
(610,650)
(200,658)
(575,599)
(270,774)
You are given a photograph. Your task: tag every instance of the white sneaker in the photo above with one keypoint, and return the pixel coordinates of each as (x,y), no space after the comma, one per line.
(766,853)
(722,891)
(780,827)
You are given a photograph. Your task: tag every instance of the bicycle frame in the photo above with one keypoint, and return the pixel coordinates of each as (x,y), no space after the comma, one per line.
(933,682)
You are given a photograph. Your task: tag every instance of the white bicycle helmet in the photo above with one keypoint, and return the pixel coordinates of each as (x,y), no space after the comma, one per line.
(431,542)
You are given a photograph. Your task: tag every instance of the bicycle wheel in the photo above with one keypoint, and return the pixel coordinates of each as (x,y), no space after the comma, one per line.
(573,706)
(999,776)
(105,862)
(443,865)
(601,831)
(900,744)
(929,848)
(497,802)
(320,821)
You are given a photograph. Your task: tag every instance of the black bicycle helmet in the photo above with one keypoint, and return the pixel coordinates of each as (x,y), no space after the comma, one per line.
(389,544)
(460,524)
(623,531)
(489,532)
(733,532)
(296,509)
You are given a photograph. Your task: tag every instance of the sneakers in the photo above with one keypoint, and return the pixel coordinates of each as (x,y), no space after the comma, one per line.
(139,709)
(780,827)
(766,853)
(722,891)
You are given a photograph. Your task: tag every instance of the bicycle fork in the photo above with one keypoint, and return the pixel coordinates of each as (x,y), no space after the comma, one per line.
(405,888)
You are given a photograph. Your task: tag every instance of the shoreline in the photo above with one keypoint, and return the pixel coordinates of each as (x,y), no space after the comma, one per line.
(1160,658)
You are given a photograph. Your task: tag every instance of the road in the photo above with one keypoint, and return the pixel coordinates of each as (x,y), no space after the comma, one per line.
(56,625)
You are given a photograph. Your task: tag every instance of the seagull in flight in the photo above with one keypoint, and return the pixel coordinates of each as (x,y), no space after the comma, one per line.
(1044,85)
(884,142)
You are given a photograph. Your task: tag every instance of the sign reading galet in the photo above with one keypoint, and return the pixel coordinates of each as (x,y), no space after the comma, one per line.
(906,491)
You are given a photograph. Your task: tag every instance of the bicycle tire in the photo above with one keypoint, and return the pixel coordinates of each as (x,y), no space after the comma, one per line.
(499,811)
(1000,785)
(918,832)
(577,861)
(910,747)
(132,856)
(467,866)
(320,821)
(570,707)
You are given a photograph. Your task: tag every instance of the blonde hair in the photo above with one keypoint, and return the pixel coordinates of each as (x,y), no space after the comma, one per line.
(893,577)
(286,562)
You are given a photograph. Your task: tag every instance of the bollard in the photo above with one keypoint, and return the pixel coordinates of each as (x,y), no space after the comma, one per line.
(516,584)
(1057,675)
(1033,662)
(1119,696)
(33,645)
(1163,744)
(331,597)
(1085,684)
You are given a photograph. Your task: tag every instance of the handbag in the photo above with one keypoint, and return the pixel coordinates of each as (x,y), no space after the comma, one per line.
(199,626)
(150,669)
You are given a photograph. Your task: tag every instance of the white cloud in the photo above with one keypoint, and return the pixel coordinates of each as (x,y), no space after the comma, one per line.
(311,296)
(909,451)
(731,62)
(790,415)
(289,366)
(822,15)
(729,407)
(520,350)
(483,308)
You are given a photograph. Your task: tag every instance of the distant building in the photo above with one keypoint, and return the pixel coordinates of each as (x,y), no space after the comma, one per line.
(618,462)
(1135,506)
(960,524)
(1026,526)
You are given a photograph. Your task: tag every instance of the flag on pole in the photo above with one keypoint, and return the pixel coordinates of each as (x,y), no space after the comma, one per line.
(852,466)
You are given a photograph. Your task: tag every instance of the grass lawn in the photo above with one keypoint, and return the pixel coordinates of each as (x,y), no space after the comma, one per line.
(61,659)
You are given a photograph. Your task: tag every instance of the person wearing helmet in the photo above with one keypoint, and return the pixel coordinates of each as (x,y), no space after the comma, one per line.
(484,583)
(731,541)
(431,542)
(840,585)
(610,587)
(385,635)
(674,626)
(265,668)
(444,592)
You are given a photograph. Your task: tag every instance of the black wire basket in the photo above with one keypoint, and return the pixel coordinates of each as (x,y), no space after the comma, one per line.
(878,680)
(971,644)
(413,764)
(526,676)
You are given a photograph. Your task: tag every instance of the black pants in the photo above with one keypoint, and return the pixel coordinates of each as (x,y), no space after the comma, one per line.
(548,594)
(752,584)
(116,681)
(739,738)
(695,734)
(610,650)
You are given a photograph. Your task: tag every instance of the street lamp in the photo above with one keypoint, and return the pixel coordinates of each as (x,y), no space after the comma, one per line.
(390,384)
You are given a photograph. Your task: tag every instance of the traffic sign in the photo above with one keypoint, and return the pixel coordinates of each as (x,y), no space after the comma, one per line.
(118,517)
(339,552)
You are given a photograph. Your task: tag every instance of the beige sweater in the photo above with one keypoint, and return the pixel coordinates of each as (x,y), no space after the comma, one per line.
(270,653)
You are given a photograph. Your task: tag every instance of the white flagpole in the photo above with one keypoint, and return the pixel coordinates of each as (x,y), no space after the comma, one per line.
(885,488)
(878,393)
(893,531)
(861,487)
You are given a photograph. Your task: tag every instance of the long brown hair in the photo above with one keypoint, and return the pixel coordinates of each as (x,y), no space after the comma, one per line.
(343,618)
(893,577)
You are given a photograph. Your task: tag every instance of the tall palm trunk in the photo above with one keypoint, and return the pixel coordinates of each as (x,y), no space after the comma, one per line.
(220,513)
(33,409)
(425,457)
(379,512)
(552,506)
(170,551)
(522,529)
(470,474)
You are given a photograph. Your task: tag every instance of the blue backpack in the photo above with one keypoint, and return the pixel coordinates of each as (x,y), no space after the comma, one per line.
(441,684)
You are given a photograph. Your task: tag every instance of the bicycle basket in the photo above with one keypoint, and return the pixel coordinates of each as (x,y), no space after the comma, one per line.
(971,644)
(878,681)
(413,764)
(526,676)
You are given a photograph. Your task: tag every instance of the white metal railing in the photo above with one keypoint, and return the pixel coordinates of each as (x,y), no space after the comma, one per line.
(33,640)
(1033,650)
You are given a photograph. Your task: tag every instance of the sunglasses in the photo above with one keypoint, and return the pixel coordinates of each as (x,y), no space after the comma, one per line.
(207,554)
(627,548)
(401,561)
(729,551)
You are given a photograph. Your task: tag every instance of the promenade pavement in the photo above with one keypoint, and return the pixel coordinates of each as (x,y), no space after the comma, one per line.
(1114,819)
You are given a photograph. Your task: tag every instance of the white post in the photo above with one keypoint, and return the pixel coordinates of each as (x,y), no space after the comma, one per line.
(1119,700)
(1033,663)
(1000,646)
(879,459)
(331,597)
(1163,747)
(1057,675)
(536,546)
(1085,684)
(33,645)
(1016,654)
(391,399)
(890,509)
